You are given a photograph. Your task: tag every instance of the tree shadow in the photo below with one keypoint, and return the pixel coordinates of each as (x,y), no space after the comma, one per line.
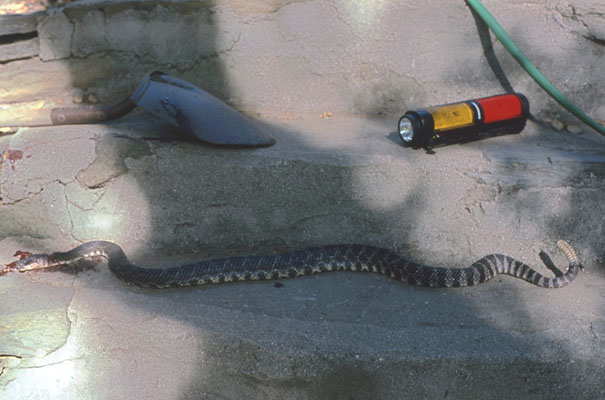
(580,169)
(386,322)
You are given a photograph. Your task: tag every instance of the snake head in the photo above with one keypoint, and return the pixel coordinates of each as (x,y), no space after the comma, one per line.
(27,262)
(14,265)
(32,262)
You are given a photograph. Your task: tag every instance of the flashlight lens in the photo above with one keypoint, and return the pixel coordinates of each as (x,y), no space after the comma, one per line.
(406,131)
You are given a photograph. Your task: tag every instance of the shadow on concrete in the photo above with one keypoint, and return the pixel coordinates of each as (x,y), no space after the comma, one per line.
(396,321)
(370,330)
(560,225)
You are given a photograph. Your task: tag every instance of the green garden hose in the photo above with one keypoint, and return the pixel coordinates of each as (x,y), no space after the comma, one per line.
(514,50)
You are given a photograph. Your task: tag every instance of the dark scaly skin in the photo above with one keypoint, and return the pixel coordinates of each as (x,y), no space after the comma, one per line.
(353,257)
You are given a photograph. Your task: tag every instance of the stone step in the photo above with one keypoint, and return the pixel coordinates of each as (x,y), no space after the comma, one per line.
(329,80)
(170,200)
(18,37)
(18,24)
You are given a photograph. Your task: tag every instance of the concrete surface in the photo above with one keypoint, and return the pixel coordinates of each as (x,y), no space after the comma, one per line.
(273,57)
(341,177)
(168,200)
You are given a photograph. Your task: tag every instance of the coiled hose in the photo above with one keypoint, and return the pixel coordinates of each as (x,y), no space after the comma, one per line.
(540,79)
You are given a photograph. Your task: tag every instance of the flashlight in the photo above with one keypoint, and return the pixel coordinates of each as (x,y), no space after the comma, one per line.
(464,121)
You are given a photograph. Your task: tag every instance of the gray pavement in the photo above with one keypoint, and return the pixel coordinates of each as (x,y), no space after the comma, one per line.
(329,79)
(167,199)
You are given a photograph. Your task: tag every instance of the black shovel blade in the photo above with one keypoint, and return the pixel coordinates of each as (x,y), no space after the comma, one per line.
(198,113)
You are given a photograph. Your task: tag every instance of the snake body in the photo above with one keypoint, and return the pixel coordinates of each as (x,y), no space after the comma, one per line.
(348,257)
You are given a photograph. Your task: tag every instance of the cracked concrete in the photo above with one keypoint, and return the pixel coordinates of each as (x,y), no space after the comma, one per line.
(109,163)
(328,79)
(265,60)
(338,335)
(590,14)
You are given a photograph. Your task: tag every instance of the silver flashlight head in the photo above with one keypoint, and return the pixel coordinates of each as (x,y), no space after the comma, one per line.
(406,130)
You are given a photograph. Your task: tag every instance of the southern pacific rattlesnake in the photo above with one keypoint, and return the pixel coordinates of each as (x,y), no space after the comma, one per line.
(312,261)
